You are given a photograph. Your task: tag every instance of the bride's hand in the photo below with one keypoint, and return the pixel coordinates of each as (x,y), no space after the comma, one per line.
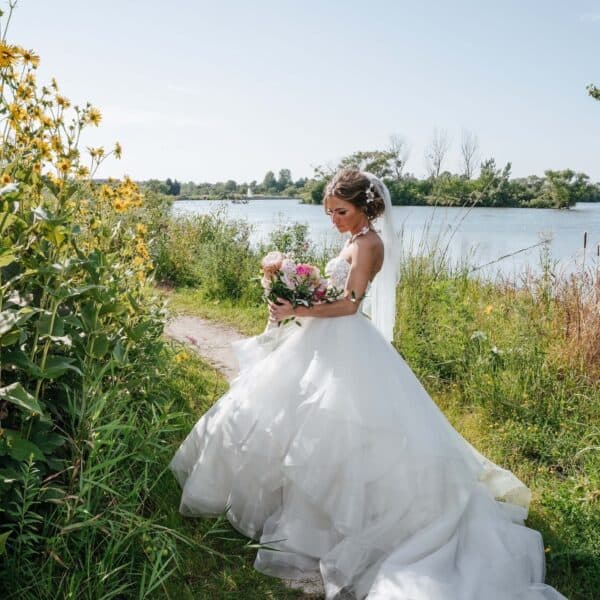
(280,311)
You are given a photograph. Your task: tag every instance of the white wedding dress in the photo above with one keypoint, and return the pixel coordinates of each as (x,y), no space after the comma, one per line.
(328,449)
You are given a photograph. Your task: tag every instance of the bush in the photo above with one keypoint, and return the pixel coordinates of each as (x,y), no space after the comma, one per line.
(83,420)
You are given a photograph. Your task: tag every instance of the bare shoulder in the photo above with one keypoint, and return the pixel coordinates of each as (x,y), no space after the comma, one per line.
(369,245)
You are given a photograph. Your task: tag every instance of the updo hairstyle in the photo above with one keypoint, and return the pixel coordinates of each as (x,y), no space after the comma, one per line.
(352,185)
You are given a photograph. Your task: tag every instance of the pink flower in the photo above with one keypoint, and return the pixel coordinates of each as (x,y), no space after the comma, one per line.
(303,270)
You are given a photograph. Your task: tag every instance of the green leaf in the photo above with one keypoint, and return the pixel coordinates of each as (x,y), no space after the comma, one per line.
(21,449)
(45,323)
(119,352)
(21,360)
(56,235)
(16,394)
(115,308)
(3,538)
(99,346)
(57,366)
(89,314)
(138,331)
(10,338)
(48,442)
(6,258)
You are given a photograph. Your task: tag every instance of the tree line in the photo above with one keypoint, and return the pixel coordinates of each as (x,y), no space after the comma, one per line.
(478,182)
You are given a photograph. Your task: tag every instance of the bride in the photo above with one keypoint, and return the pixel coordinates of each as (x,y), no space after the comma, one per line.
(328,450)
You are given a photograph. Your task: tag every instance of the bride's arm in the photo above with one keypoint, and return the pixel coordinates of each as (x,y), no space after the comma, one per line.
(356,286)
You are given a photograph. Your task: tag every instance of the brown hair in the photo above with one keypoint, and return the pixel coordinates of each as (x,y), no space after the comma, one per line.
(351,185)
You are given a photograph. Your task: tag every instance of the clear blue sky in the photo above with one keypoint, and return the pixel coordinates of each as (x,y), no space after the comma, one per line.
(207,90)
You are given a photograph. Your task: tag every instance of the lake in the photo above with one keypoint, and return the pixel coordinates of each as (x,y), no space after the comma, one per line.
(479,235)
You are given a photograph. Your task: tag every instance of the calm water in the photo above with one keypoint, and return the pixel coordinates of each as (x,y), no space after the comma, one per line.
(480,235)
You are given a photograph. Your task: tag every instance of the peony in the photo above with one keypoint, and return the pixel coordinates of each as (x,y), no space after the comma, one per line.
(271,263)
(303,270)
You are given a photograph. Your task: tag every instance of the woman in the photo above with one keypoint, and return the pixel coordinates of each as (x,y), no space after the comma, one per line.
(328,449)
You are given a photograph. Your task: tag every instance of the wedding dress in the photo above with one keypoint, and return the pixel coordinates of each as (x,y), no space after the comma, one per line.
(328,450)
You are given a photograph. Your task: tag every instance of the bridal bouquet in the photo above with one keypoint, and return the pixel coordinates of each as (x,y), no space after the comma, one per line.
(300,284)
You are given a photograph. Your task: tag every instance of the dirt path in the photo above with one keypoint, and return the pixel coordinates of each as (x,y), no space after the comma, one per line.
(212,341)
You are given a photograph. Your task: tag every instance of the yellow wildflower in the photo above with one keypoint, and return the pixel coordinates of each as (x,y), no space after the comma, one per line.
(8,55)
(94,116)
(63,165)
(43,148)
(30,57)
(17,112)
(96,152)
(141,229)
(141,276)
(138,261)
(119,205)
(6,179)
(106,192)
(55,180)
(488,309)
(142,249)
(62,101)
(23,92)
(181,356)
(83,172)
(56,143)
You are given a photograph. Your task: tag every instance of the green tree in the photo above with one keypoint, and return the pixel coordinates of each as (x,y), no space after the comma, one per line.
(269,184)
(378,162)
(230,186)
(594,91)
(284,180)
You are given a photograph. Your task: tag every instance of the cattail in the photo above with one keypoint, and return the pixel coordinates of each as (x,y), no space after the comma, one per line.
(584,240)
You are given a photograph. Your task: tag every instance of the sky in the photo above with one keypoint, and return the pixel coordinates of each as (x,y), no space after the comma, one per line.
(209,91)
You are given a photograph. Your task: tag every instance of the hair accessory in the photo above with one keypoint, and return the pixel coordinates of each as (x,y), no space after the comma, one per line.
(370,193)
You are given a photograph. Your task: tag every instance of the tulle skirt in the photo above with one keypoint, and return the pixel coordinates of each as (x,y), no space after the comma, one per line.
(328,450)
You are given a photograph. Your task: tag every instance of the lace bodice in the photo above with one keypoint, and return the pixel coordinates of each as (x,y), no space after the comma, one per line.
(336,271)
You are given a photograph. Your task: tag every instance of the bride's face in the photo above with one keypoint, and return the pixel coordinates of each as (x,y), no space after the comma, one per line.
(344,215)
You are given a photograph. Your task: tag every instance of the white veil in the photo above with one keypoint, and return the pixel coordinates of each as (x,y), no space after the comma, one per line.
(383,289)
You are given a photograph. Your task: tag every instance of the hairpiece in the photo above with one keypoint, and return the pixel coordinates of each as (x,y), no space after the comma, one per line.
(370,193)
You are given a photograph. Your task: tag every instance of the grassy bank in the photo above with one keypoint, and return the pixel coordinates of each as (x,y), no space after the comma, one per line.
(514,367)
